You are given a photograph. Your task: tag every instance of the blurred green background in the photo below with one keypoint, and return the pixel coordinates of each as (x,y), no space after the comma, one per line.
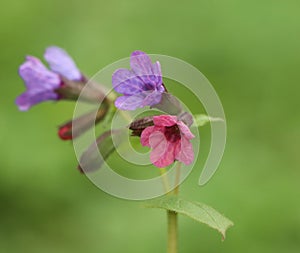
(249,50)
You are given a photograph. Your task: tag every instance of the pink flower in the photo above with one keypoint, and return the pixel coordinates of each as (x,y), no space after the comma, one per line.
(169,139)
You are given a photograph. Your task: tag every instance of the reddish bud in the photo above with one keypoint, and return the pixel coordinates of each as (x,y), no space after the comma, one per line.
(78,126)
(65,131)
(139,125)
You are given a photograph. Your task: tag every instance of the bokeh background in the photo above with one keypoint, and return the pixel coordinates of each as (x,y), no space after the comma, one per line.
(250,52)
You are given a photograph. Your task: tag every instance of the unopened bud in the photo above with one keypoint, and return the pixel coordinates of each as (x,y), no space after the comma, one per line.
(139,125)
(76,127)
(99,151)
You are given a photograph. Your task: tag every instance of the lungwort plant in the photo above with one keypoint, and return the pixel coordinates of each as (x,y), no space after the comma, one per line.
(168,135)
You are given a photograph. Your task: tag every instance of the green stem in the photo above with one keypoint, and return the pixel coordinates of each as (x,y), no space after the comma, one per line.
(171,215)
(172,231)
(163,173)
(177,179)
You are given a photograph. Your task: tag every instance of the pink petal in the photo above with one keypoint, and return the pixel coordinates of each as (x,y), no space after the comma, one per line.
(184,129)
(165,159)
(162,153)
(145,135)
(164,120)
(147,132)
(184,151)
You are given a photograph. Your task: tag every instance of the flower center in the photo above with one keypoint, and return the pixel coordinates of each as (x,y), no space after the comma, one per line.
(172,133)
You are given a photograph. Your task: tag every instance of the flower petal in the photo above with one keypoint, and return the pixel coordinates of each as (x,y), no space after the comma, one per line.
(152,98)
(184,151)
(162,153)
(146,134)
(125,82)
(184,129)
(149,73)
(61,63)
(141,63)
(28,99)
(165,120)
(36,76)
(158,75)
(130,102)
(144,82)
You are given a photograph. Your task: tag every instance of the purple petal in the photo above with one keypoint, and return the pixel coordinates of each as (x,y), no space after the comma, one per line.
(125,82)
(138,100)
(28,99)
(61,63)
(130,102)
(141,63)
(40,83)
(158,75)
(37,76)
(151,98)
(142,66)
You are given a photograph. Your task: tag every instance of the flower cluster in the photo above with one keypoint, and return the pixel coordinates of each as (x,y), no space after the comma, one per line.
(63,80)
(167,135)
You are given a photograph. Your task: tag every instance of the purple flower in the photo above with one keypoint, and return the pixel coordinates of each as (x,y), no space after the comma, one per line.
(42,83)
(141,86)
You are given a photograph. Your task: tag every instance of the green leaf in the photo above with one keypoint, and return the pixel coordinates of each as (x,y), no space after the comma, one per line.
(203,119)
(195,210)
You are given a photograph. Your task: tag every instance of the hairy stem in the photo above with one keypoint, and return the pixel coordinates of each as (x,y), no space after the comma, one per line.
(172,231)
(171,215)
(165,180)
